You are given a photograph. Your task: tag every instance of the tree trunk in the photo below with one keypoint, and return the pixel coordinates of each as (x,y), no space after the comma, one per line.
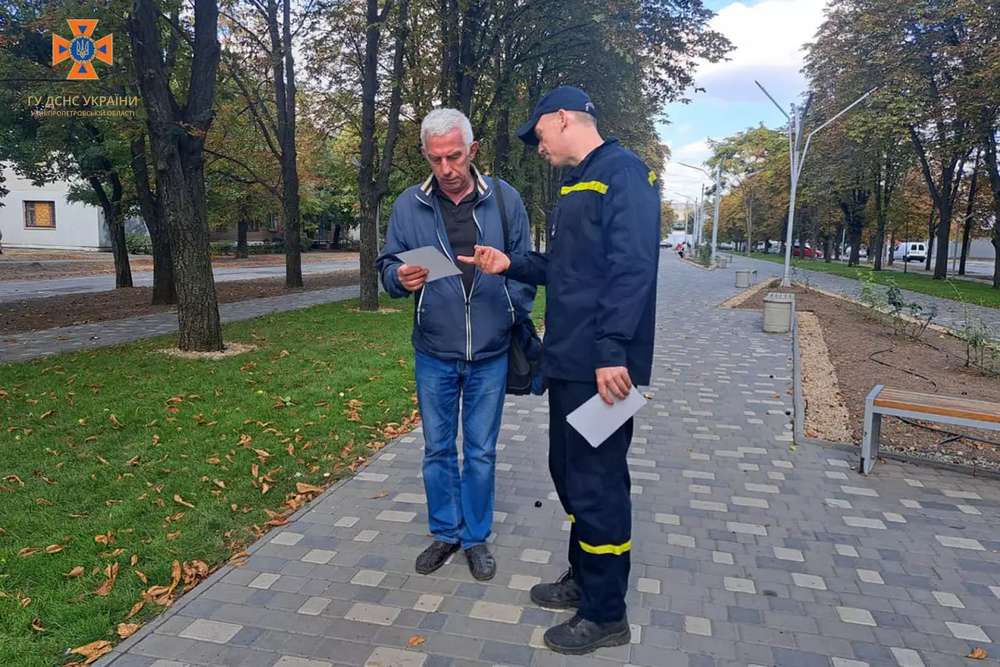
(119,249)
(467,71)
(931,236)
(373,180)
(164,291)
(749,225)
(179,158)
(854,219)
(336,236)
(449,23)
(111,207)
(993,171)
(283,72)
(967,222)
(826,249)
(242,250)
(502,141)
(880,217)
(944,192)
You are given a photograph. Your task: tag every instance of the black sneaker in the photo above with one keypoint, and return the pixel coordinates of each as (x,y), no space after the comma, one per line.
(434,556)
(562,594)
(482,565)
(578,635)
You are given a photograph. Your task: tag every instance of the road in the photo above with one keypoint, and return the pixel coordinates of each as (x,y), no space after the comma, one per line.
(14,290)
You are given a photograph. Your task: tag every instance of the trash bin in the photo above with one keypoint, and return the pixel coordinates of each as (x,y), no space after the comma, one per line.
(744,277)
(778,310)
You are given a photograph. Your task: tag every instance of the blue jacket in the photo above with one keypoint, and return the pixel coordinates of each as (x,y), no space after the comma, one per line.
(600,268)
(448,323)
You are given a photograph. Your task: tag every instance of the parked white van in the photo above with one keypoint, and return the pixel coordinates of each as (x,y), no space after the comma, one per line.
(910,250)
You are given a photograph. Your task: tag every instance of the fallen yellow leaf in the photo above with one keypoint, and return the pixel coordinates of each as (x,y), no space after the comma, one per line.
(111,572)
(978,653)
(135,609)
(302,487)
(53,548)
(93,650)
(28,551)
(181,501)
(106,538)
(416,640)
(36,625)
(75,572)
(126,630)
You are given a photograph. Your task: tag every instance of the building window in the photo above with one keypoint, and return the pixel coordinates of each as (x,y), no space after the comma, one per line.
(40,214)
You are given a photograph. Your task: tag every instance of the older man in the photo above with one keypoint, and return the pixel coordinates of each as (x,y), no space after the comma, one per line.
(600,271)
(461,332)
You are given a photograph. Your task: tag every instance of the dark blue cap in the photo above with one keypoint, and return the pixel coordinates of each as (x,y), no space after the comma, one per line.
(563,97)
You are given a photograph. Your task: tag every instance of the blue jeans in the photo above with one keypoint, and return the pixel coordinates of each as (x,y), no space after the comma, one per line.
(460,507)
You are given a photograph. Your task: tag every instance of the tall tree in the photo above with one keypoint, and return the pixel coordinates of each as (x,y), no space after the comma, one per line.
(275,118)
(373,172)
(177,133)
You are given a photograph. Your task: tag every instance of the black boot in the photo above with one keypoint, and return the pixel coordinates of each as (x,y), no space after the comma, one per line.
(434,556)
(578,635)
(563,594)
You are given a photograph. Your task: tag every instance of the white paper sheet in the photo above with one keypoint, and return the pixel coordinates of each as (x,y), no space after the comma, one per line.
(432,259)
(595,420)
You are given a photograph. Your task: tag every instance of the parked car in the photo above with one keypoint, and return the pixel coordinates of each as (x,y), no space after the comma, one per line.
(910,250)
(798,251)
(665,243)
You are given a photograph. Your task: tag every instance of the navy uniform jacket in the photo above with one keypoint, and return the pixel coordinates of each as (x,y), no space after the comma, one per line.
(600,268)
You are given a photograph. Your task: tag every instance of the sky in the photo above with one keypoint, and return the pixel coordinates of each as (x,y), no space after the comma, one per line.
(768,36)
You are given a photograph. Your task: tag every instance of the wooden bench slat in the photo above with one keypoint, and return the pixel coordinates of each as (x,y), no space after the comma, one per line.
(945,406)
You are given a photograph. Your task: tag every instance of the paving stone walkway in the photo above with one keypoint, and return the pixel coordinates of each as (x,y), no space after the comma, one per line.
(48,342)
(747,550)
(951,314)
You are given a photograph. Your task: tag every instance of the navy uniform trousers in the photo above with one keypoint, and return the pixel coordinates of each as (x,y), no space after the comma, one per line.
(593,486)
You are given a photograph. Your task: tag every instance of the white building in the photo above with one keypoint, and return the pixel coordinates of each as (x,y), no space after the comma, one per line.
(41,217)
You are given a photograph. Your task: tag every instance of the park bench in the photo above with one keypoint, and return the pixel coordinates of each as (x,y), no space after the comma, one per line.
(926,407)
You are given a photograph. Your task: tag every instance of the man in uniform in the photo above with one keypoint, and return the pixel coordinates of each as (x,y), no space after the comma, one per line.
(600,268)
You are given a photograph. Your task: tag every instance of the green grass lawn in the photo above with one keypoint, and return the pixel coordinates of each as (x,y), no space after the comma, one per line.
(175,460)
(965,291)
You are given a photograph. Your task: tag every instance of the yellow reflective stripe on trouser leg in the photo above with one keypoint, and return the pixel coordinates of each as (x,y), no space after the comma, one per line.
(652,177)
(571,518)
(602,549)
(595,186)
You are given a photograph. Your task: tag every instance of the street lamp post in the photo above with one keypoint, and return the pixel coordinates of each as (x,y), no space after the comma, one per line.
(718,199)
(797,155)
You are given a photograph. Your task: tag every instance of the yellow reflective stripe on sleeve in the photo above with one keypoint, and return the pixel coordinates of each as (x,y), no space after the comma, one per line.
(652,177)
(571,518)
(596,186)
(602,549)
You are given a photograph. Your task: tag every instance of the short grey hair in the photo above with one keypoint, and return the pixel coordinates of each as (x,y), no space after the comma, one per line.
(442,121)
